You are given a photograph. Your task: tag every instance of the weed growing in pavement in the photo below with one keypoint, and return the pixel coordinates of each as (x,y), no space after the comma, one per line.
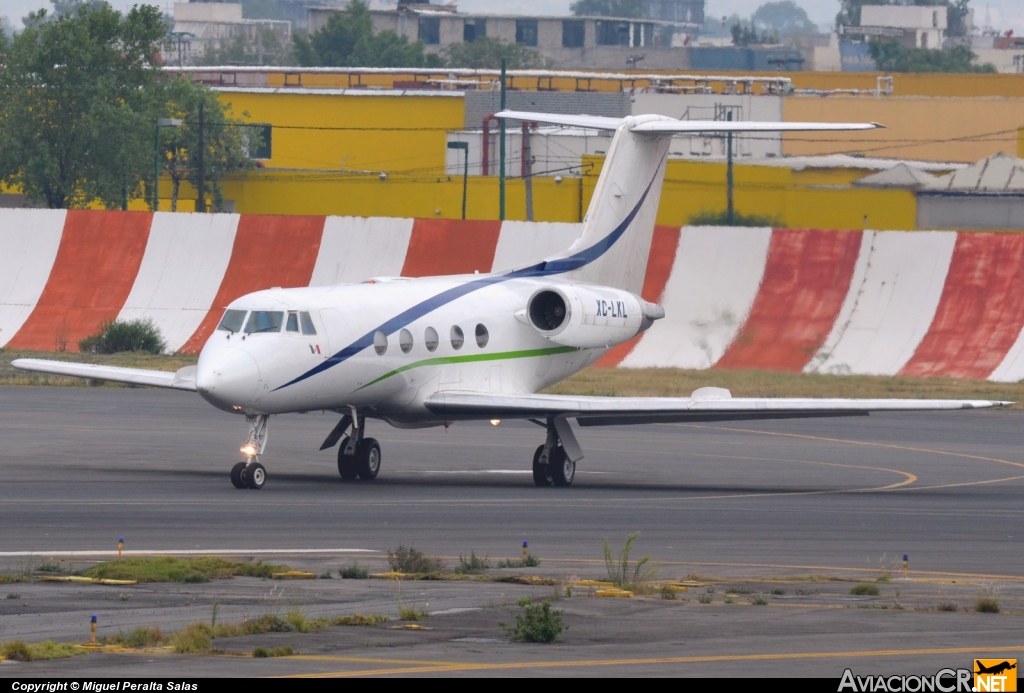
(410,560)
(759,600)
(706,597)
(667,592)
(778,591)
(738,590)
(354,572)
(864,589)
(407,611)
(264,652)
(140,637)
(947,606)
(536,623)
(634,577)
(326,575)
(530,561)
(474,564)
(986,605)
(13,595)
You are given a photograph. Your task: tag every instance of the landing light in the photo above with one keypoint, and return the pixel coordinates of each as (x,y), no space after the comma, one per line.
(495,422)
(249,450)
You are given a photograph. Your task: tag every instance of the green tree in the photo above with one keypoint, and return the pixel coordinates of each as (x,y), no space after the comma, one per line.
(785,17)
(743,34)
(608,8)
(73,7)
(487,53)
(76,110)
(347,40)
(890,56)
(227,141)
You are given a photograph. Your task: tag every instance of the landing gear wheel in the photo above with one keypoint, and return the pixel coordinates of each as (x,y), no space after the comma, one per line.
(563,469)
(236,475)
(346,463)
(541,472)
(255,476)
(368,459)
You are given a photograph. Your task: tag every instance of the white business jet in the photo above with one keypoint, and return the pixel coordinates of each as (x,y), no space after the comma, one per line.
(436,350)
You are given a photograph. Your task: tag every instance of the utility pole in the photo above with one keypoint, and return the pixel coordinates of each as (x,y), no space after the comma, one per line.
(728,173)
(201,173)
(501,150)
(528,171)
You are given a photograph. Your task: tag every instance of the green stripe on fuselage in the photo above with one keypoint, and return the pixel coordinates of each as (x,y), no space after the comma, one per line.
(499,356)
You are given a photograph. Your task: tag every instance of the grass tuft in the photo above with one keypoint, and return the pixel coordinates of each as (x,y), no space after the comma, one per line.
(947,606)
(189,570)
(536,623)
(864,590)
(18,651)
(410,560)
(195,638)
(264,652)
(622,574)
(354,572)
(359,620)
(530,561)
(139,638)
(474,564)
(986,605)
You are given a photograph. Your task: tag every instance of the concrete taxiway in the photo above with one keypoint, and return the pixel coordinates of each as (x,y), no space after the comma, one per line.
(747,502)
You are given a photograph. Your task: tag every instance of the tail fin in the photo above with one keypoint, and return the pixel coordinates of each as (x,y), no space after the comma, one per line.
(613,247)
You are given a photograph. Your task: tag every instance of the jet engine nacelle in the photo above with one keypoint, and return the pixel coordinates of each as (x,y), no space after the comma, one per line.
(589,317)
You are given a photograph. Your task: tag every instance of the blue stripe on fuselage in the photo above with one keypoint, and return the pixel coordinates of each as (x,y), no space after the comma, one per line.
(544,269)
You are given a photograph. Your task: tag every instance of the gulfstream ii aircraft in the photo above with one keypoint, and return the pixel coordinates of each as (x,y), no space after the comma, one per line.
(437,350)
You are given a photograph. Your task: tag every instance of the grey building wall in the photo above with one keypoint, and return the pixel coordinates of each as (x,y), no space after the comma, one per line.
(480,103)
(946,211)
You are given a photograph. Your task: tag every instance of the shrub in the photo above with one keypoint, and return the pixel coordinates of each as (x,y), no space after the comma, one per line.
(411,560)
(705,218)
(262,652)
(622,574)
(195,638)
(530,561)
(474,564)
(947,606)
(986,605)
(864,590)
(124,335)
(536,623)
(354,572)
(140,637)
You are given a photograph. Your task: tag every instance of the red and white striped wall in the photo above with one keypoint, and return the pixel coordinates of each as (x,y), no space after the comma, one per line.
(885,303)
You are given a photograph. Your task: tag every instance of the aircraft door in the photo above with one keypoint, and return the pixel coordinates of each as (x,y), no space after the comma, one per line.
(334,337)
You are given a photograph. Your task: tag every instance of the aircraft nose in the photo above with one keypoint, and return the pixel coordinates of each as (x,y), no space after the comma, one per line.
(227,379)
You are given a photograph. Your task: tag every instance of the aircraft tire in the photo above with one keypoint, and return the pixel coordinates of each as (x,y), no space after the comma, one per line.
(368,459)
(236,475)
(346,463)
(541,472)
(563,469)
(255,475)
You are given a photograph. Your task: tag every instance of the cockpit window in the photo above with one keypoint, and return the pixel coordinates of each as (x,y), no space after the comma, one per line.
(264,321)
(307,323)
(293,322)
(232,321)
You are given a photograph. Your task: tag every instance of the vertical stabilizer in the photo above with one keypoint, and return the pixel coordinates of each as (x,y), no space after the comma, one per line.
(619,224)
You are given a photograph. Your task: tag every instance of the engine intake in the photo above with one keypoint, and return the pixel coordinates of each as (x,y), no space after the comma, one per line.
(548,311)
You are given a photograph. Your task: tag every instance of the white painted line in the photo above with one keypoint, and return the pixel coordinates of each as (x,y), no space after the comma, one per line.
(185,552)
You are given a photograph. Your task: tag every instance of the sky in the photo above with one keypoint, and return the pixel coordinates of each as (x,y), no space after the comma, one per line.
(1005,14)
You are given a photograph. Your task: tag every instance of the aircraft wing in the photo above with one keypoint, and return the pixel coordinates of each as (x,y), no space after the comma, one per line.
(706,404)
(184,379)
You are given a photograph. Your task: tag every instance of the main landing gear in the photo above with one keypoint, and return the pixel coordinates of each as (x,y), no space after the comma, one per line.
(554,462)
(358,457)
(252,474)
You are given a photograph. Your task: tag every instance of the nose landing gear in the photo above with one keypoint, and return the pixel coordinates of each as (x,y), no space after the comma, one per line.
(252,474)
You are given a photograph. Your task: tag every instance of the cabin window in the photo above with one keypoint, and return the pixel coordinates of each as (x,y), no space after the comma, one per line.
(380,342)
(458,338)
(264,321)
(307,323)
(430,339)
(405,341)
(232,321)
(293,323)
(481,336)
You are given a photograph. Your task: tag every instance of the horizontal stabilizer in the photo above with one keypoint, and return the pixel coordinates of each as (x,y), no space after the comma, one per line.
(656,124)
